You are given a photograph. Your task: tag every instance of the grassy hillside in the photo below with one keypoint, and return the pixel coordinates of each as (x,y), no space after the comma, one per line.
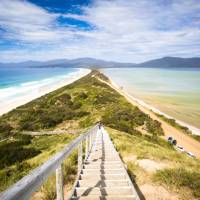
(175,172)
(73,109)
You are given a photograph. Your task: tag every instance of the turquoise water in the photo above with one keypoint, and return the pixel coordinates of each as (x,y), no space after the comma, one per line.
(174,91)
(10,77)
(18,82)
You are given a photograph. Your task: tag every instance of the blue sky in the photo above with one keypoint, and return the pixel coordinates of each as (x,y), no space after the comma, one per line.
(119,30)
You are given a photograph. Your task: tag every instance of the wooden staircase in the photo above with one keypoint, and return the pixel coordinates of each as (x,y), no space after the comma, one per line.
(103,175)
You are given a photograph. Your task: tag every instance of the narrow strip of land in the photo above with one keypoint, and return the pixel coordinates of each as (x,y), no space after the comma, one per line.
(184,140)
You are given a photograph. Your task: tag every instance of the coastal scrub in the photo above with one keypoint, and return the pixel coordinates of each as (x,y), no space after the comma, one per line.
(42,127)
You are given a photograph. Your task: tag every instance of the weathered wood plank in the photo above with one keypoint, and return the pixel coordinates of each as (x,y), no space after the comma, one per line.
(86,147)
(59,183)
(80,156)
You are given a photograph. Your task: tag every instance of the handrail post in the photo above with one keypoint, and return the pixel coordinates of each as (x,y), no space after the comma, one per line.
(93,137)
(80,156)
(90,142)
(59,183)
(25,187)
(86,147)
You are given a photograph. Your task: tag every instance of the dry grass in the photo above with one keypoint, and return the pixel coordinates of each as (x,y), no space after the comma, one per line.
(181,172)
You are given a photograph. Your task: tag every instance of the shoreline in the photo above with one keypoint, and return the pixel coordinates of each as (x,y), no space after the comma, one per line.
(190,144)
(19,101)
(170,96)
(73,76)
(194,130)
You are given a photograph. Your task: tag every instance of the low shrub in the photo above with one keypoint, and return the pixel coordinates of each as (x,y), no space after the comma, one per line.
(81,114)
(88,121)
(124,118)
(154,127)
(13,152)
(5,129)
(82,95)
(76,105)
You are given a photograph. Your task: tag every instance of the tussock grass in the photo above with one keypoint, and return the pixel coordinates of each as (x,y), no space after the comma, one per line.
(183,171)
(180,177)
(69,168)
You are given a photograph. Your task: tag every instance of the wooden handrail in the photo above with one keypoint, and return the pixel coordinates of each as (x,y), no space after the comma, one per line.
(25,187)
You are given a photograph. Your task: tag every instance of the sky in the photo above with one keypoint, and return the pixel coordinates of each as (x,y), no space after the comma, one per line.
(117,30)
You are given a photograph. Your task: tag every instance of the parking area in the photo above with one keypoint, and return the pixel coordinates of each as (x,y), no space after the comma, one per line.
(178,147)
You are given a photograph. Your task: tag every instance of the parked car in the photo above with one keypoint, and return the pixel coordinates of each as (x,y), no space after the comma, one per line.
(174,142)
(190,154)
(170,139)
(180,148)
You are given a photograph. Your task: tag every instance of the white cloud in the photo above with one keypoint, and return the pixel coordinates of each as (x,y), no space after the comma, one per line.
(129,31)
(26,22)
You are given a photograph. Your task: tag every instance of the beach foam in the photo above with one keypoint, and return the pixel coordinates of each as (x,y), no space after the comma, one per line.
(15,96)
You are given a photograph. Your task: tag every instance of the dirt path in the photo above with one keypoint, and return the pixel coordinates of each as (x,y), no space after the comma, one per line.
(184,140)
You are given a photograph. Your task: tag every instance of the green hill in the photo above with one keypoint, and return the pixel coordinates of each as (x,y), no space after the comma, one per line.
(74,109)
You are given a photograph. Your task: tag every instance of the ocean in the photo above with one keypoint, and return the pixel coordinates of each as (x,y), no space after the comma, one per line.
(173,91)
(19,83)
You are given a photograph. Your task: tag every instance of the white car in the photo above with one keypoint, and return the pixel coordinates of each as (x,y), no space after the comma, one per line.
(180,148)
(191,154)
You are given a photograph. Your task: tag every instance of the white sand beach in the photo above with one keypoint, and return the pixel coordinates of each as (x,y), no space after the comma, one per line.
(40,91)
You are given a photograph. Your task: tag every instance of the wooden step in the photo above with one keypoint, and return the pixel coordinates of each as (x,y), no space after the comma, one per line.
(87,162)
(102,183)
(103,171)
(106,158)
(103,166)
(84,191)
(110,197)
(102,177)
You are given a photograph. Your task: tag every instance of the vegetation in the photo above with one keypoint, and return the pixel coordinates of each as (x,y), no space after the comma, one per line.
(196,137)
(5,129)
(174,124)
(74,107)
(86,97)
(180,177)
(48,190)
(22,153)
(180,173)
(184,129)
(14,153)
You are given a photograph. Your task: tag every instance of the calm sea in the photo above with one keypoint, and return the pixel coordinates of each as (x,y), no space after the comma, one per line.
(173,91)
